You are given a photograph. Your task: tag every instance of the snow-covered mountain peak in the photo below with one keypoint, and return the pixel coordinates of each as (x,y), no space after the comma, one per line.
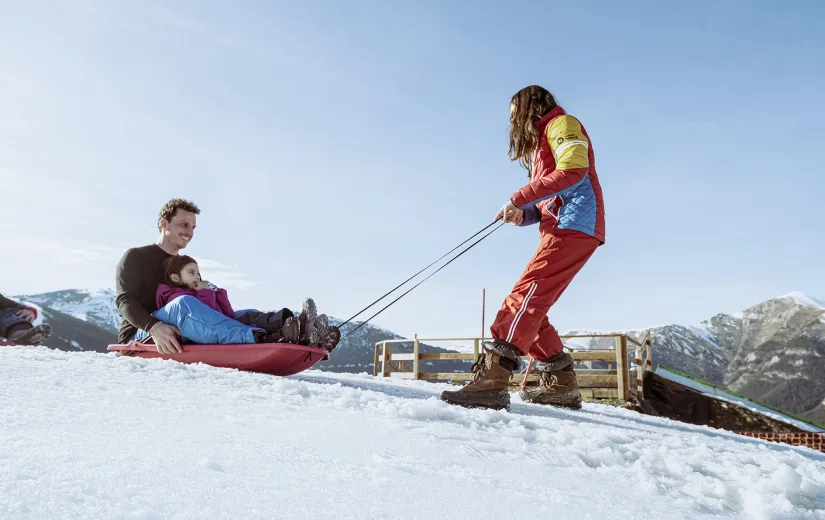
(803,299)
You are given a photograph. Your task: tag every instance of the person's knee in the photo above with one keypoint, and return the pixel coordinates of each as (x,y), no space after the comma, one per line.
(185,301)
(176,310)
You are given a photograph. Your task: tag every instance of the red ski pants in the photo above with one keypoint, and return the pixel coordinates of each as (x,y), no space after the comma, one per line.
(522,320)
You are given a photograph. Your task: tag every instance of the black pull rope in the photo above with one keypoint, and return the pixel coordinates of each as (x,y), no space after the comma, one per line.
(416,274)
(408,291)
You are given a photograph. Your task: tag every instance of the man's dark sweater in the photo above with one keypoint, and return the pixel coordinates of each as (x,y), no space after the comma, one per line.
(138,274)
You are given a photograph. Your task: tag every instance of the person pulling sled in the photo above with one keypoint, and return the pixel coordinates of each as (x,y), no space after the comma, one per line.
(565,199)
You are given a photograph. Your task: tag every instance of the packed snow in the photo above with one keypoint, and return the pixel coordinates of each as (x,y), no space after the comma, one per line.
(86,435)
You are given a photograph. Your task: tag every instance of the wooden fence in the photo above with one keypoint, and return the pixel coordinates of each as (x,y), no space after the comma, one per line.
(611,383)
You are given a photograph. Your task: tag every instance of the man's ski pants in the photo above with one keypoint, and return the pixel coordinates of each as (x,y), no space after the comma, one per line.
(522,320)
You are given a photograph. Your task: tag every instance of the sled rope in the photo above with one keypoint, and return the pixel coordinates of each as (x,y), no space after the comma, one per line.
(527,372)
(408,291)
(416,274)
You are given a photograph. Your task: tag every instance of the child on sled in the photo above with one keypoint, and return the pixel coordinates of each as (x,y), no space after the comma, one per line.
(182,278)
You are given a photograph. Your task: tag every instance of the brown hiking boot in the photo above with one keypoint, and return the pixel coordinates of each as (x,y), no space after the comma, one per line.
(557,384)
(491,375)
(308,317)
(25,334)
(327,336)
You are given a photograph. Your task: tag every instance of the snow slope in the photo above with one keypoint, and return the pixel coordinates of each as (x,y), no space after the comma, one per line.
(87,435)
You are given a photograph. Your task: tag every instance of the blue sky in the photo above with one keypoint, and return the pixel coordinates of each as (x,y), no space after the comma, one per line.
(337,147)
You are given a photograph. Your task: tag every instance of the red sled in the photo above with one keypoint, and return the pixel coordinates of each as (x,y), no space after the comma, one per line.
(277,359)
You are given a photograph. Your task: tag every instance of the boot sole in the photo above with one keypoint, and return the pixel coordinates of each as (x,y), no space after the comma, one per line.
(33,336)
(311,313)
(290,331)
(575,404)
(328,338)
(493,400)
(316,327)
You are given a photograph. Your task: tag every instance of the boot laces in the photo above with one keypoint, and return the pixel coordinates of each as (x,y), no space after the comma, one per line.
(548,379)
(478,367)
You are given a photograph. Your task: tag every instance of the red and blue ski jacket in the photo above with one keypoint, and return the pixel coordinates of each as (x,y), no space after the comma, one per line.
(564,190)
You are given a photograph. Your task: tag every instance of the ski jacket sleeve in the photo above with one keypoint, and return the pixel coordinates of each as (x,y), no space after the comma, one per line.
(129,280)
(207,296)
(570,151)
(532,215)
(223,303)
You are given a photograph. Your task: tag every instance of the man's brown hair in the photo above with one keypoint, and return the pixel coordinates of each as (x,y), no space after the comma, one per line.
(171,208)
(531,104)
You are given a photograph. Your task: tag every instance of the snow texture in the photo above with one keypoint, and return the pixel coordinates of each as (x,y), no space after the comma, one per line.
(87,435)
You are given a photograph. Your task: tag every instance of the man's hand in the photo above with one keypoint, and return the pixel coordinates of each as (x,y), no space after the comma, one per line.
(166,338)
(203,284)
(510,214)
(26,314)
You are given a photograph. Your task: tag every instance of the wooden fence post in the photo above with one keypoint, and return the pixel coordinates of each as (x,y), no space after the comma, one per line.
(375,362)
(475,350)
(416,346)
(385,361)
(640,371)
(621,367)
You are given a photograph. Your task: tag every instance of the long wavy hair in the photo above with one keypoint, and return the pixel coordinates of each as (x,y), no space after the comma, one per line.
(528,106)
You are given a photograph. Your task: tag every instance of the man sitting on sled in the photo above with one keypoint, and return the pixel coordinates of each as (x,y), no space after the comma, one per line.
(187,317)
(16,323)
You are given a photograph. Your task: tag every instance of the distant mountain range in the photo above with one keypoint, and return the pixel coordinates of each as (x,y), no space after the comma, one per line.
(773,352)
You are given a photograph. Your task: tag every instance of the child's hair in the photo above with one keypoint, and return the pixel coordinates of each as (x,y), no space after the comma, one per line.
(174,265)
